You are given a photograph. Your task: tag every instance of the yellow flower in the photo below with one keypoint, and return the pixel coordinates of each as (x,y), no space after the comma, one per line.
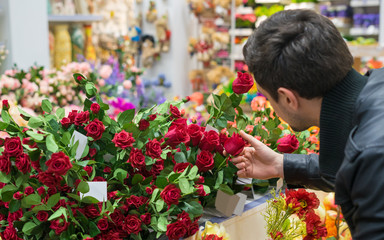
(214,228)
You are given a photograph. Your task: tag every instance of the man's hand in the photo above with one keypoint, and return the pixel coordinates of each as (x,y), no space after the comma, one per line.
(258,161)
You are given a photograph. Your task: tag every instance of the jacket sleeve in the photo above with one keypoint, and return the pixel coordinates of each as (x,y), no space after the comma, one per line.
(360,192)
(302,170)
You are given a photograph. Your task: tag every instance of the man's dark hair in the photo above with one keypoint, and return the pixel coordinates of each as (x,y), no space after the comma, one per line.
(299,50)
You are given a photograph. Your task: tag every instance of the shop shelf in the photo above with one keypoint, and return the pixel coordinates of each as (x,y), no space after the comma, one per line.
(74,18)
(365,3)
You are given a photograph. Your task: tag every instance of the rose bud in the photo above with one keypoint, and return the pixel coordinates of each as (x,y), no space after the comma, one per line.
(288,144)
(243,83)
(5,105)
(95,108)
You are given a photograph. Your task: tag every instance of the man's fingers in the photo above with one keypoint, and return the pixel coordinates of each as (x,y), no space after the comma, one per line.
(237,160)
(253,141)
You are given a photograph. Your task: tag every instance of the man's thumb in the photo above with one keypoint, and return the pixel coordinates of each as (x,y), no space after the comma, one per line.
(250,139)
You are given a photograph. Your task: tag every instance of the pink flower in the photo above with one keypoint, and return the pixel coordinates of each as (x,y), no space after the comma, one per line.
(105,71)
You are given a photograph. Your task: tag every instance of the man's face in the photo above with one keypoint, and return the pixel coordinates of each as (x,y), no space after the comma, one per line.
(294,118)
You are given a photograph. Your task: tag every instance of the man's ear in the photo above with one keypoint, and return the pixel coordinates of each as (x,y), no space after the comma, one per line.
(289,98)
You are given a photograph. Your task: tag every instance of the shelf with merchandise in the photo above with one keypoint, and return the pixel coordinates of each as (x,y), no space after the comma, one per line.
(364,3)
(74,18)
(359,31)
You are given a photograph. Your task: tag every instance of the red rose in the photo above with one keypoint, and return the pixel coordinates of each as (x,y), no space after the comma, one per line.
(12,146)
(200,190)
(42,216)
(180,123)
(205,161)
(180,167)
(301,201)
(132,224)
(41,191)
(92,152)
(29,190)
(117,217)
(153,149)
(146,218)
(29,142)
(49,179)
(243,83)
(288,144)
(143,124)
(59,163)
(223,138)
(91,211)
(95,108)
(14,216)
(174,111)
(176,135)
(123,139)
(102,224)
(148,190)
(88,169)
(95,129)
(184,218)
(152,117)
(5,105)
(192,229)
(10,232)
(72,115)
(18,195)
(36,165)
(107,169)
(234,145)
(200,180)
(171,194)
(99,179)
(195,133)
(5,164)
(176,230)
(158,167)
(23,163)
(210,141)
(136,201)
(59,225)
(136,158)
(66,122)
(82,117)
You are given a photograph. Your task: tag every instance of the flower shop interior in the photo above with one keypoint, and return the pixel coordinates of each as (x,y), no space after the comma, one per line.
(119,119)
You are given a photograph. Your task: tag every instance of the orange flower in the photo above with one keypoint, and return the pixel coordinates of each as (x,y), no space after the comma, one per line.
(258,103)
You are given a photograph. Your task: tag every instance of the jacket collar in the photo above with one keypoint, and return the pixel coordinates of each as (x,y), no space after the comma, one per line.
(337,111)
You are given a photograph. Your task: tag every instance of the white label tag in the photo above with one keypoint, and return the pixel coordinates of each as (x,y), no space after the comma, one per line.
(97,190)
(279,184)
(83,141)
(209,128)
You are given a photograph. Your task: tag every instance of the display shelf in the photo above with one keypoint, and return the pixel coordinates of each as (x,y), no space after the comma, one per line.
(364,31)
(366,51)
(241,31)
(366,3)
(244,10)
(74,18)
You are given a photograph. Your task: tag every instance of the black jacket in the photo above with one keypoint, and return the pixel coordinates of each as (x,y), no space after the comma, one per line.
(357,174)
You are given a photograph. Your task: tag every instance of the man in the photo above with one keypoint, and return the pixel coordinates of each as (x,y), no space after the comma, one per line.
(302,65)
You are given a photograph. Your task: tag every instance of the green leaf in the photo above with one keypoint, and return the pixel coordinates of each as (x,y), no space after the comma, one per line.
(33,199)
(219,179)
(161,182)
(53,200)
(21,179)
(120,174)
(83,187)
(74,196)
(138,178)
(126,117)
(93,229)
(4,178)
(162,223)
(3,125)
(14,205)
(192,208)
(159,204)
(193,172)
(180,157)
(35,122)
(60,113)
(155,193)
(216,100)
(21,111)
(236,99)
(184,185)
(61,211)
(35,136)
(51,144)
(226,189)
(222,122)
(270,125)
(90,89)
(66,138)
(46,105)
(89,200)
(5,116)
(41,207)
(28,227)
